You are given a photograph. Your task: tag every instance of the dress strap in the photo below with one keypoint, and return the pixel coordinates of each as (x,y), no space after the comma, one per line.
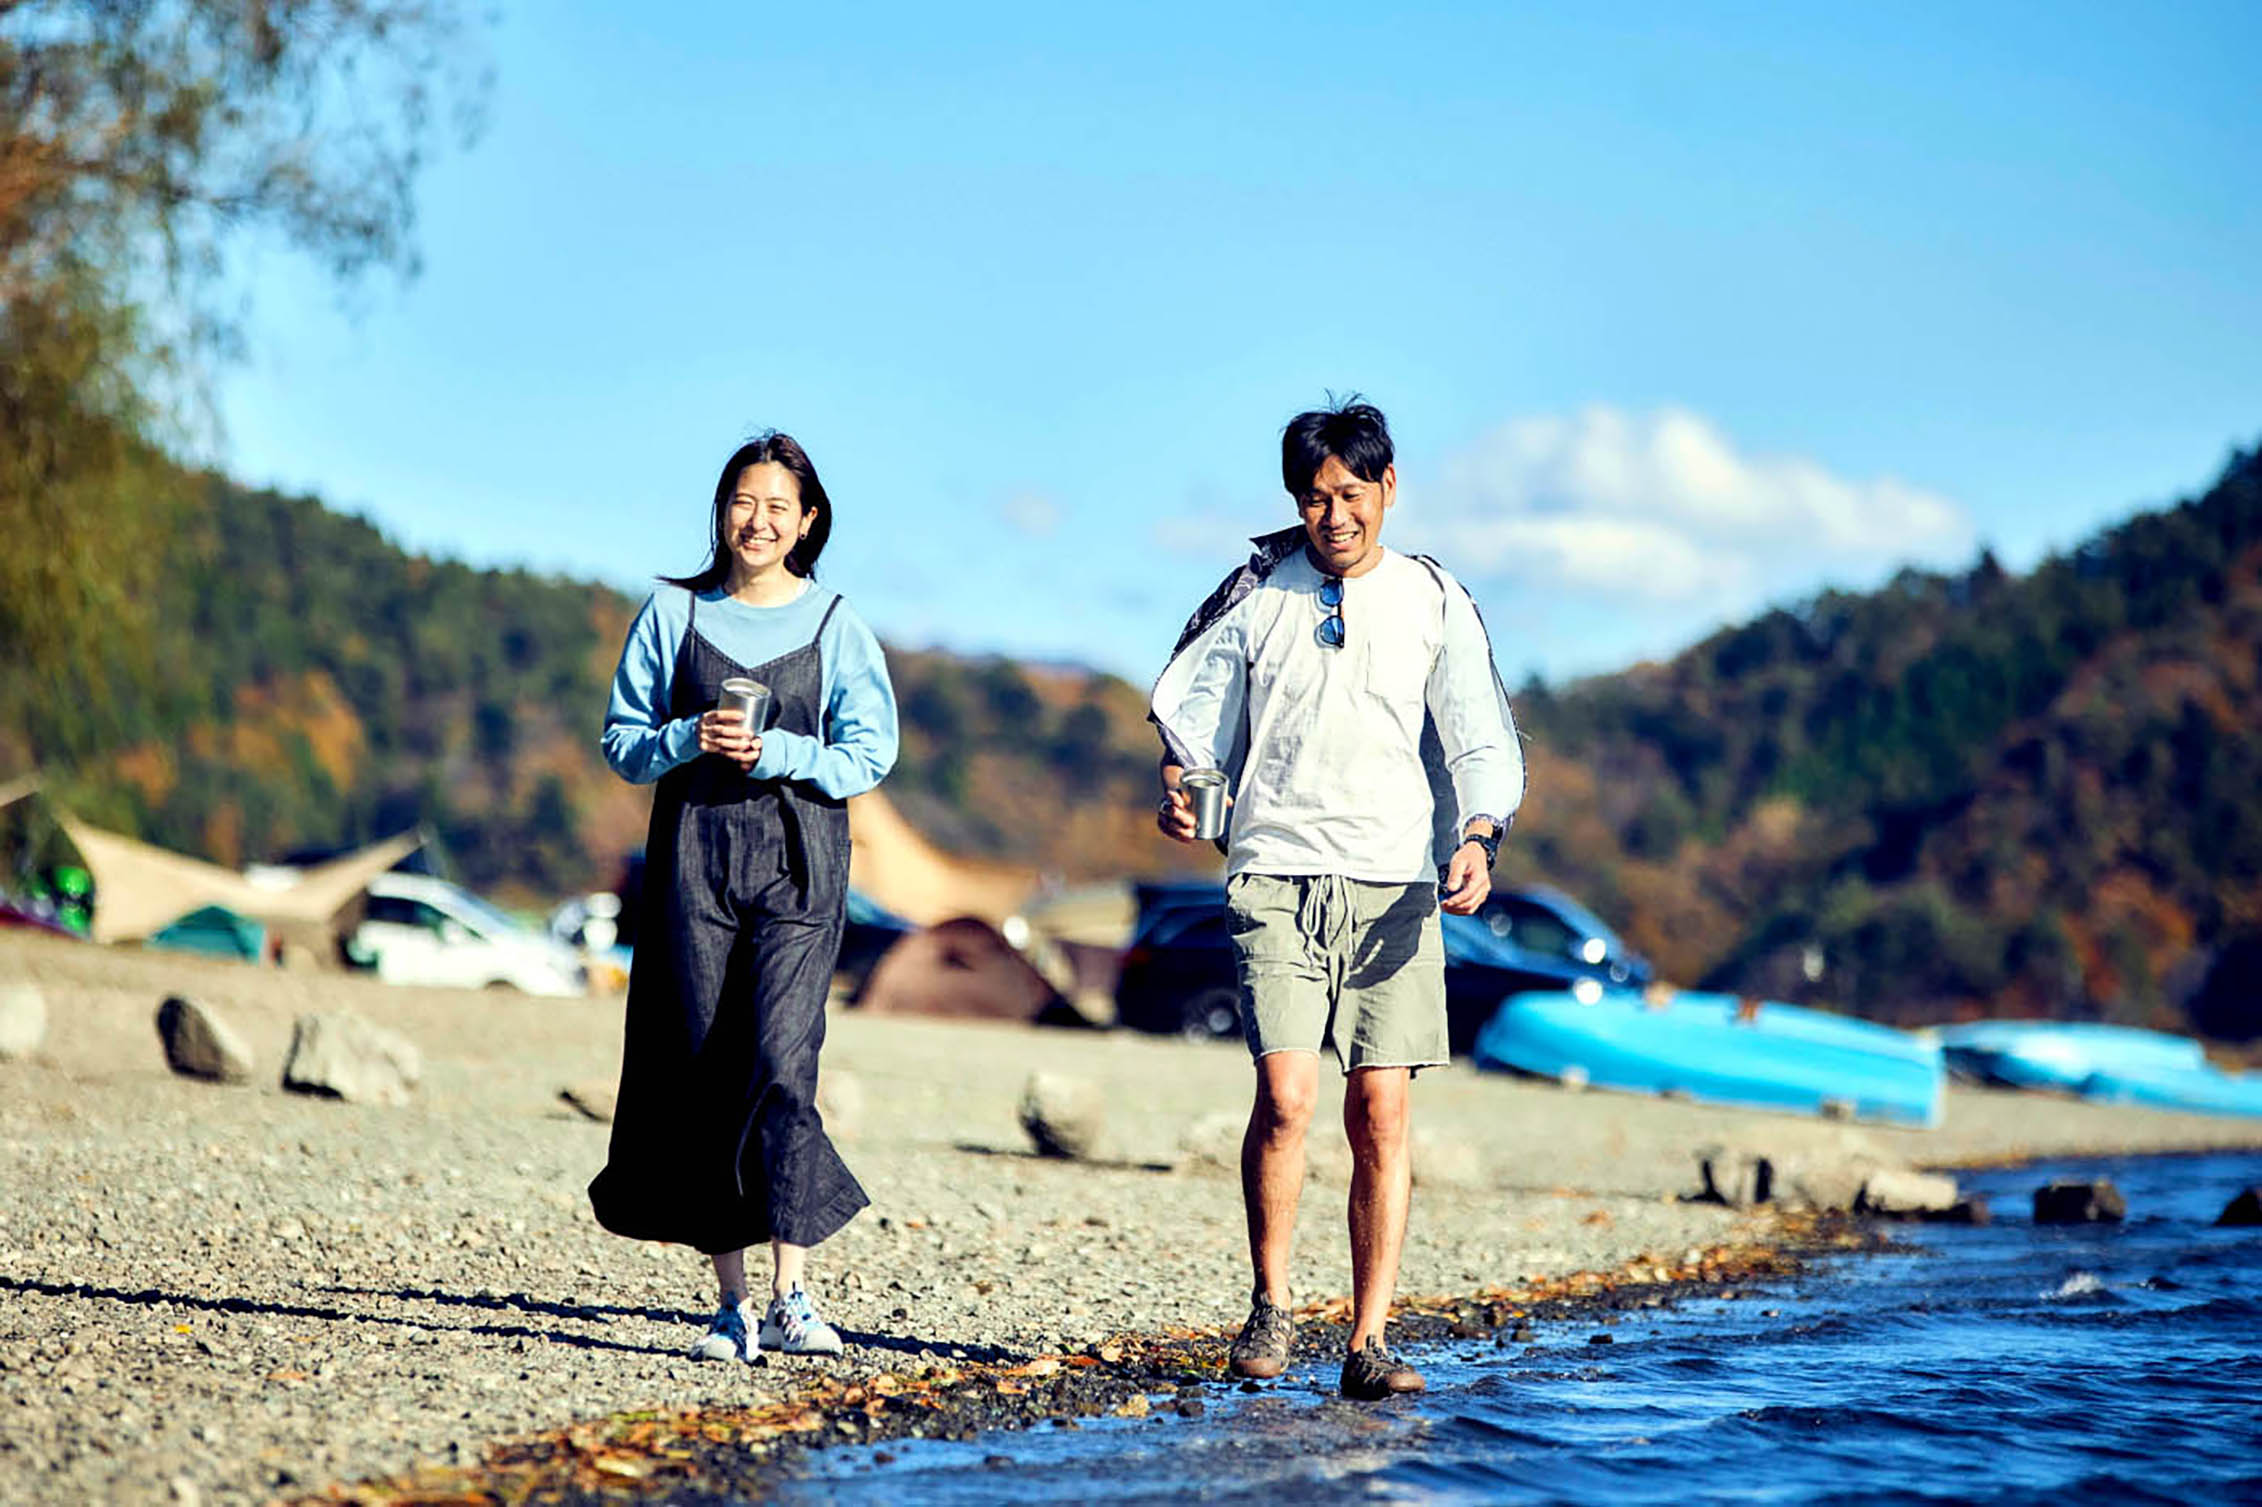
(828,617)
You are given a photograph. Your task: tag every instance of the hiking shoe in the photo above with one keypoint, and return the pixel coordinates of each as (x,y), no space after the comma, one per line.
(792,1326)
(1260,1351)
(728,1335)
(1371,1373)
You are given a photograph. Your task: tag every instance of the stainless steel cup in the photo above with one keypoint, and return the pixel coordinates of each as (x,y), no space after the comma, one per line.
(1205,789)
(749,698)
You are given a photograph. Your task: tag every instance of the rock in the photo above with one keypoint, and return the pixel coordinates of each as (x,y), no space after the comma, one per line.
(2244,1210)
(1442,1161)
(1736,1178)
(1827,1185)
(840,1100)
(593,1097)
(1968,1210)
(1215,1139)
(1214,1142)
(1820,1168)
(2071,1201)
(23,1020)
(339,1055)
(199,1044)
(1892,1191)
(1064,1115)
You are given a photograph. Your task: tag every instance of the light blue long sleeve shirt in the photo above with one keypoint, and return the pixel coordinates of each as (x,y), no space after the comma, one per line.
(642,742)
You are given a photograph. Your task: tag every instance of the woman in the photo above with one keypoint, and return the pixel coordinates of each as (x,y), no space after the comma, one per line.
(717,1142)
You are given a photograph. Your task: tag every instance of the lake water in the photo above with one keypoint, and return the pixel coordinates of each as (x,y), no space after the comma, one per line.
(2001,1364)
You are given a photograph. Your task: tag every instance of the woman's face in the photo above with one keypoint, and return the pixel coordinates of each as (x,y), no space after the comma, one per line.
(765,519)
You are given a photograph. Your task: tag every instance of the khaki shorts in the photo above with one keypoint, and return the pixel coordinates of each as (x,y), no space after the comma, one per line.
(1353,967)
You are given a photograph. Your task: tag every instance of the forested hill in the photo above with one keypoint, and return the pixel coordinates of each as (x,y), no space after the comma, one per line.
(308,684)
(2043,793)
(2030,792)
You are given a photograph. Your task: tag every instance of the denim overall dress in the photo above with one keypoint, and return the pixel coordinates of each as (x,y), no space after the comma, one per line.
(717,1143)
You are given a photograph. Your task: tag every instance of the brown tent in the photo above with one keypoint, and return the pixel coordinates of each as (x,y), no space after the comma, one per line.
(962,967)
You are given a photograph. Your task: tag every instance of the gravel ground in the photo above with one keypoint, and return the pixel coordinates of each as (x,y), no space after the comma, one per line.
(223,1293)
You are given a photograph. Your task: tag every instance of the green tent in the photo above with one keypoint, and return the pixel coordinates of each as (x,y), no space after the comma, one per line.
(215,931)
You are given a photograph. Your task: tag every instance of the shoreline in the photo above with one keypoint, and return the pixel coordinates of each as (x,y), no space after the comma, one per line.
(745,1454)
(229,1294)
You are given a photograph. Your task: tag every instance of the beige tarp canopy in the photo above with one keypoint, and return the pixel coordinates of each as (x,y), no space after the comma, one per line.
(139,888)
(907,874)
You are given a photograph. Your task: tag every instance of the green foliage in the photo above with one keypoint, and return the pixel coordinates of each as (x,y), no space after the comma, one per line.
(2094,728)
(137,140)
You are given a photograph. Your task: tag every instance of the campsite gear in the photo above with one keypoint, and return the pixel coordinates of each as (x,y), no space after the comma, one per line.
(1260,1352)
(749,698)
(965,968)
(1205,789)
(792,1327)
(729,1336)
(717,1143)
(1702,1046)
(215,931)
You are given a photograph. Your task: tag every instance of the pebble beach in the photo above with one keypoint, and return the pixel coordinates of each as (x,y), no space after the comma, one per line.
(236,1294)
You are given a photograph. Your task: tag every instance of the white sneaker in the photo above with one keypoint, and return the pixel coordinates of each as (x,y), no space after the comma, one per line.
(792,1326)
(729,1336)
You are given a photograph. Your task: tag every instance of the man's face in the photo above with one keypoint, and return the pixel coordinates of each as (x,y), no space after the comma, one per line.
(1343,516)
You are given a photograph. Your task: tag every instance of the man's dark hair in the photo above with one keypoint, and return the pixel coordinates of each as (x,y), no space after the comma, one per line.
(1355,433)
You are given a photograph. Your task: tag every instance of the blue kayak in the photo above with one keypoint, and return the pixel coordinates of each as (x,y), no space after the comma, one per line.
(1715,1048)
(2062,1055)
(2205,1089)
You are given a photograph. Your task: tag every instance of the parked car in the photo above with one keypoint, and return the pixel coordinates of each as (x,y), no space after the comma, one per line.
(1179,975)
(422,930)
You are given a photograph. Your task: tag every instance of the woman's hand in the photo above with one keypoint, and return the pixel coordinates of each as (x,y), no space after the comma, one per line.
(724,732)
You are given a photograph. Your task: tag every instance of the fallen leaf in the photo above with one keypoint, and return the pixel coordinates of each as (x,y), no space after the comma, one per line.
(622,1465)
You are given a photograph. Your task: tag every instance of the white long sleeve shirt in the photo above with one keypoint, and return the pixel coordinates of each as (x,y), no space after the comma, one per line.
(1328,743)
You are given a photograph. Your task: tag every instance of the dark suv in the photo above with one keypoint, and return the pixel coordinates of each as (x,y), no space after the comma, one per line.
(1179,977)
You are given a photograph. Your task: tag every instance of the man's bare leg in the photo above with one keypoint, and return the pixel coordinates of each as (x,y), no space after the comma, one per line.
(1272,1163)
(1382,1184)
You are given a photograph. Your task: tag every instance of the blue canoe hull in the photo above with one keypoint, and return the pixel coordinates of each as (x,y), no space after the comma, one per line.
(2199,1090)
(2062,1055)
(1787,1058)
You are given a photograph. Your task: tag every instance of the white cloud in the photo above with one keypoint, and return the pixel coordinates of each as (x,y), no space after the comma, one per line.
(1660,511)
(1032,513)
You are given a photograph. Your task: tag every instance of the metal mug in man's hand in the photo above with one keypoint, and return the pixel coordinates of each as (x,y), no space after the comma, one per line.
(1205,791)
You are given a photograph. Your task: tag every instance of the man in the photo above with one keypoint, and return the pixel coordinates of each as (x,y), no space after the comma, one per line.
(1349,696)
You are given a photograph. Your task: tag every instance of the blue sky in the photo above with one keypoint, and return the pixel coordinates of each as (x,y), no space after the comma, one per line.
(1676,311)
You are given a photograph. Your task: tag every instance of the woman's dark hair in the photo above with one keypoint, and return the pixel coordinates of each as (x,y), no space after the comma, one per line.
(1351,431)
(770,445)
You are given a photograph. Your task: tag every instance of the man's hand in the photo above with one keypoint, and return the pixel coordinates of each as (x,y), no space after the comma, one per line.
(1174,815)
(724,732)
(1468,879)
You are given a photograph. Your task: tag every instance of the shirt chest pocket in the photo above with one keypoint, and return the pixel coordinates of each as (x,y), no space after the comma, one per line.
(1397,672)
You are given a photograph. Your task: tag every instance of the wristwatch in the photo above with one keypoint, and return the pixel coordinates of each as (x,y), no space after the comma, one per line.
(1489,841)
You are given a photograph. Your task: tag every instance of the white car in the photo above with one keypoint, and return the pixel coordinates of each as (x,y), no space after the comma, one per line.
(420,930)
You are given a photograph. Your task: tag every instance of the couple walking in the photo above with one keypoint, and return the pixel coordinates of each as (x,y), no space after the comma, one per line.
(1348,695)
